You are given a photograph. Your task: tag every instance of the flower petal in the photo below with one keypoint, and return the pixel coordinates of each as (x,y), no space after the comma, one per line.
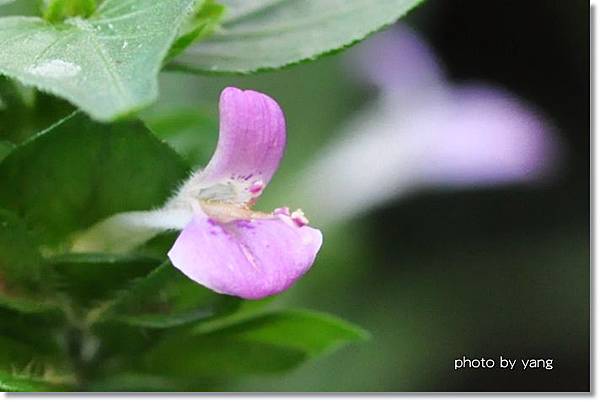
(463,137)
(423,132)
(483,135)
(397,61)
(251,259)
(251,144)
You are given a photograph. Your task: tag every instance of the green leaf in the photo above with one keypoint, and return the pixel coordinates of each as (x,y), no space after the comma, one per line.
(106,64)
(19,256)
(79,172)
(30,346)
(24,278)
(14,353)
(90,278)
(166,298)
(261,35)
(192,133)
(13,7)
(26,304)
(310,331)
(5,148)
(18,326)
(28,357)
(270,342)
(139,382)
(58,10)
(12,382)
(24,111)
(202,23)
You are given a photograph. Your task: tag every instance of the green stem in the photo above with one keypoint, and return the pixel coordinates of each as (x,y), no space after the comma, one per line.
(81,346)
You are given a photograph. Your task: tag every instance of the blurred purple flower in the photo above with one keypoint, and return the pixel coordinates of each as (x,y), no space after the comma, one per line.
(423,132)
(398,61)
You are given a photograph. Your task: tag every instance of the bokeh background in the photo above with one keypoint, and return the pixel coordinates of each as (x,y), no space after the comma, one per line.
(436,275)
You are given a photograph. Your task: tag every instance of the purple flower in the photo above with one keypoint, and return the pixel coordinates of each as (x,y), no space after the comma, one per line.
(224,244)
(469,134)
(228,247)
(423,132)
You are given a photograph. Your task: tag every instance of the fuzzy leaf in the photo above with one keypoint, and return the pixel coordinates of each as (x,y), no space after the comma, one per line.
(107,64)
(268,34)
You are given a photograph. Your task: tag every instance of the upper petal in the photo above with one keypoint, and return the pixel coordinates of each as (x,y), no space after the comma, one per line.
(399,62)
(251,259)
(251,144)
